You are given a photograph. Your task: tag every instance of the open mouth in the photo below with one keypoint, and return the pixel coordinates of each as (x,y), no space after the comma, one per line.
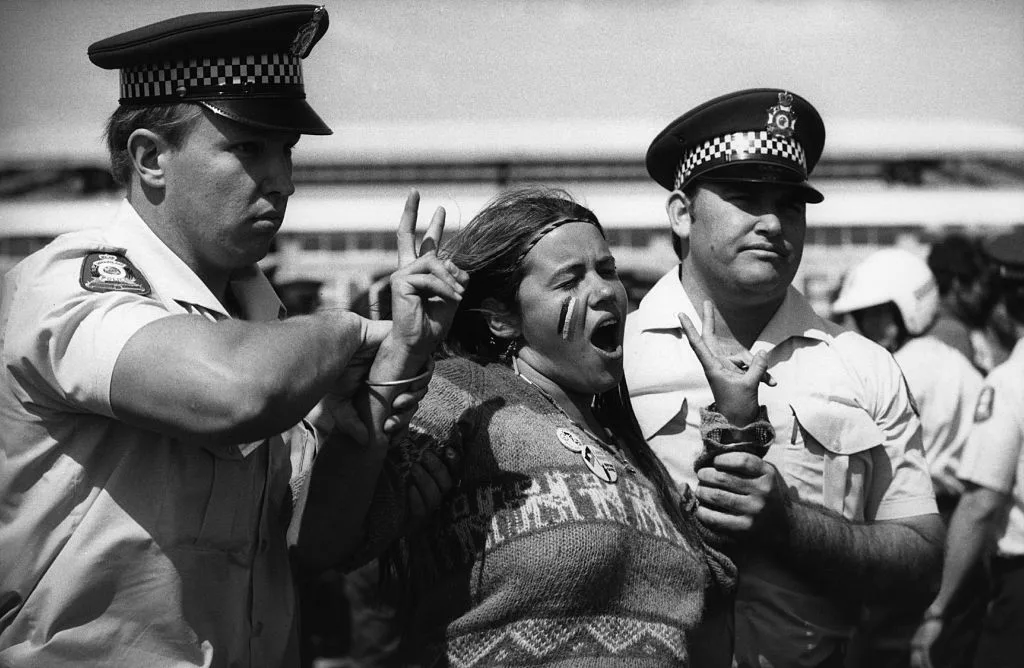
(607,336)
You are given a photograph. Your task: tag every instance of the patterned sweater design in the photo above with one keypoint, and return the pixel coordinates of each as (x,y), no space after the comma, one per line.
(534,560)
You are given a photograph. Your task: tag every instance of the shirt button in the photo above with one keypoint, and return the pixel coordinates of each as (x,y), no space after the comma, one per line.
(257,629)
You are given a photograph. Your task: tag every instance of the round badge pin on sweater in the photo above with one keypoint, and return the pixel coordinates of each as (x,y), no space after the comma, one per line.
(573,443)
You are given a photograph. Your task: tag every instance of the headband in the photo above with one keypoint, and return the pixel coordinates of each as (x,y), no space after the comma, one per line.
(549,228)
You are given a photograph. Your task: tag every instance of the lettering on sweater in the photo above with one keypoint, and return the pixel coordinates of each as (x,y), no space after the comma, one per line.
(487,516)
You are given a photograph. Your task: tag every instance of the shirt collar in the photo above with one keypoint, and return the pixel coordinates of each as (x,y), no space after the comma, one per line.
(1018,349)
(170,278)
(794,318)
(663,301)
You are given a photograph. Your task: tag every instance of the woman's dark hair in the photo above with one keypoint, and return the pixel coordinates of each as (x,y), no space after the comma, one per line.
(491,248)
(171,121)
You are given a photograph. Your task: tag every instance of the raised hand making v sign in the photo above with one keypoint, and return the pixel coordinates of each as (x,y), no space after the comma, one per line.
(374,400)
(740,493)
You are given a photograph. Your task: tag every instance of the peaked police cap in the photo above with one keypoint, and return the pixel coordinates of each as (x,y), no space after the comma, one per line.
(764,135)
(244,65)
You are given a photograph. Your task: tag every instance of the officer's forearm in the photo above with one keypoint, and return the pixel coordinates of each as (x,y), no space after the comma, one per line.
(234,380)
(971,530)
(862,559)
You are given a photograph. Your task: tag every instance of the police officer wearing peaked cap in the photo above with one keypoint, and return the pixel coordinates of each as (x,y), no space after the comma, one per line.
(840,499)
(159,478)
(989,510)
(759,135)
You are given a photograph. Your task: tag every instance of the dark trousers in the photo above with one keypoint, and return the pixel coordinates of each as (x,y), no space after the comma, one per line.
(1002,633)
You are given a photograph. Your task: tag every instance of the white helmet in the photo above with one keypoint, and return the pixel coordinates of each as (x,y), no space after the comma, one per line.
(892,275)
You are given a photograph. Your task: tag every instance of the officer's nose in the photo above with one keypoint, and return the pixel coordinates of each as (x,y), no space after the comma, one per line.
(768,224)
(278,178)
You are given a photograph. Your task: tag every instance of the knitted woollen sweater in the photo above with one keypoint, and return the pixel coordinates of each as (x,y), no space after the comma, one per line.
(535,560)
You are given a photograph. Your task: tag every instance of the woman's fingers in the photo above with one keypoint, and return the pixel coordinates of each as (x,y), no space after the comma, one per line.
(432,238)
(438,471)
(428,285)
(710,353)
(407,229)
(430,480)
(456,272)
(444,270)
(708,329)
(759,369)
(700,348)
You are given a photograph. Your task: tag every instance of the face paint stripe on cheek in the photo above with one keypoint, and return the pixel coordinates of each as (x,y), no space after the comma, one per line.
(566,317)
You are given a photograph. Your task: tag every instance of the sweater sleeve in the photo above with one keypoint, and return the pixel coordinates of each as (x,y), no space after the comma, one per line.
(445,418)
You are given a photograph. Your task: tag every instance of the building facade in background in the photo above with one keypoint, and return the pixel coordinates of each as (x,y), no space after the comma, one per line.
(889,189)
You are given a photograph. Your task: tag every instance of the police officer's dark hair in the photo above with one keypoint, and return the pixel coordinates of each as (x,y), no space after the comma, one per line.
(955,256)
(491,248)
(173,122)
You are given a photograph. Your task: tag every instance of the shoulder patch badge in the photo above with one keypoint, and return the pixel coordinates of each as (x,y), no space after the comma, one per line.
(983,409)
(111,272)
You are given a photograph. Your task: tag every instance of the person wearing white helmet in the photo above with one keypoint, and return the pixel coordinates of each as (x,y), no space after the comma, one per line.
(892,298)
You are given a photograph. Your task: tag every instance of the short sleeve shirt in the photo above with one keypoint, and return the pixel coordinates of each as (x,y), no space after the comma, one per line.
(121,546)
(994,455)
(945,387)
(847,438)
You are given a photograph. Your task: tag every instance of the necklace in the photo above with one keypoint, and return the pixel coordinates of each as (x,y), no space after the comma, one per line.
(572,442)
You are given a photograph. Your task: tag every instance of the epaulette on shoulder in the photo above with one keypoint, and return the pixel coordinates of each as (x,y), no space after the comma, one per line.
(107,271)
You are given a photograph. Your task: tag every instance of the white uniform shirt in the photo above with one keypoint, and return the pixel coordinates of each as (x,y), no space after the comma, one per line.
(121,546)
(945,386)
(847,438)
(994,455)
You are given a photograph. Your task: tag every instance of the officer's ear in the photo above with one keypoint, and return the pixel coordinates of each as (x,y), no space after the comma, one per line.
(503,323)
(678,209)
(145,150)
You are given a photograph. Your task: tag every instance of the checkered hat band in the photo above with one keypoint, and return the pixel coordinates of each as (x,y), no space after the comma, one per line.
(741,146)
(238,75)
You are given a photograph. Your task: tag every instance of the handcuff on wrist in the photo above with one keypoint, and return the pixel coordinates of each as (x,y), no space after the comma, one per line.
(401,381)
